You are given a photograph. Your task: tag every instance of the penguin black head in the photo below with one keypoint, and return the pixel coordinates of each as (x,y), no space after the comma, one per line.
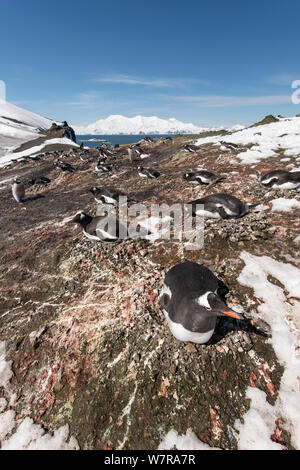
(93,190)
(82,219)
(188,176)
(206,305)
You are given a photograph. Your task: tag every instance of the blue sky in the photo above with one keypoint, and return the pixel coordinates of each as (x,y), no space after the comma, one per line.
(210,63)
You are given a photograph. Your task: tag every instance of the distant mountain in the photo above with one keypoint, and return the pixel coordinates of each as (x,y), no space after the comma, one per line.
(117,124)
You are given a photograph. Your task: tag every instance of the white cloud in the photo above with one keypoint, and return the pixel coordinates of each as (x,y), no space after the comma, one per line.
(219,101)
(87,100)
(150,81)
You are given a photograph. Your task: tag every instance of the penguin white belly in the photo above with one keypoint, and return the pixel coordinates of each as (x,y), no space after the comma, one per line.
(142,175)
(203,179)
(267,181)
(109,200)
(182,334)
(18,193)
(89,236)
(288,185)
(212,215)
(103,234)
(98,200)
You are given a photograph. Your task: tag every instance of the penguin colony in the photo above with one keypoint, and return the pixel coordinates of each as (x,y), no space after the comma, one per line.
(192,296)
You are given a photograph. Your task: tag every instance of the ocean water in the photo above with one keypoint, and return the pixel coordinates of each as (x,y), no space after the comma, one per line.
(113,139)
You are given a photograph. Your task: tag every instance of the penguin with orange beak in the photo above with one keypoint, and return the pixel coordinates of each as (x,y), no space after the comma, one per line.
(192,298)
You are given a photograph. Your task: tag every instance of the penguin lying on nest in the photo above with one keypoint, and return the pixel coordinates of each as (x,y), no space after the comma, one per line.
(282,179)
(102,168)
(38,181)
(192,298)
(64,166)
(229,145)
(94,228)
(147,172)
(202,177)
(191,148)
(108,195)
(220,205)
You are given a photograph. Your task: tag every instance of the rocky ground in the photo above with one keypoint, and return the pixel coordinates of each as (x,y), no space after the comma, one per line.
(88,341)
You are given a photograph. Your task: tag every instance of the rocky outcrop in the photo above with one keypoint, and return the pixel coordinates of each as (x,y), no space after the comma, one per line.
(63,130)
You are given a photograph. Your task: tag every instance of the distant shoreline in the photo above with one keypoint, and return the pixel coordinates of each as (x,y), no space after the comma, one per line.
(91,140)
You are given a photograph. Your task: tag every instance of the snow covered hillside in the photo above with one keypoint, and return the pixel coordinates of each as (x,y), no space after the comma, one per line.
(18,126)
(117,124)
(12,112)
(264,141)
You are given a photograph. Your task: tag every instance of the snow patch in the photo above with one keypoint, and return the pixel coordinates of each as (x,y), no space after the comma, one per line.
(189,441)
(284,205)
(30,436)
(281,310)
(281,136)
(15,156)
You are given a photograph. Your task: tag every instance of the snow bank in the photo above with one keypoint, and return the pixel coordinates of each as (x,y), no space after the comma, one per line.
(15,156)
(18,126)
(283,136)
(284,205)
(283,318)
(30,436)
(8,110)
(5,371)
(183,442)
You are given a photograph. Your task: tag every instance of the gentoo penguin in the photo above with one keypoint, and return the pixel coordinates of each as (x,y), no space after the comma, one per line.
(39,180)
(281,179)
(24,160)
(148,139)
(229,145)
(191,148)
(105,152)
(192,298)
(133,153)
(221,205)
(147,172)
(202,177)
(107,195)
(95,228)
(36,158)
(101,161)
(101,167)
(18,191)
(64,166)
